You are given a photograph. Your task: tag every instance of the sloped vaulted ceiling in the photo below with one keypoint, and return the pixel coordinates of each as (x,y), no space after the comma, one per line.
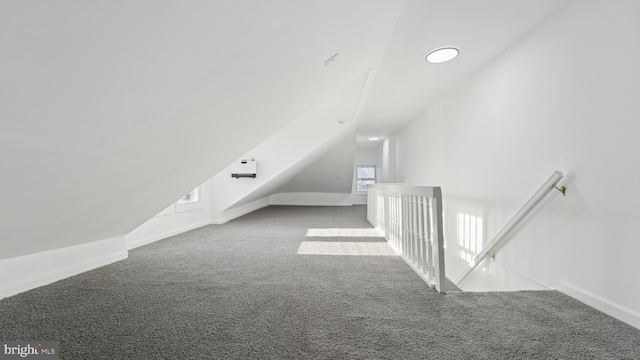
(405,85)
(110,110)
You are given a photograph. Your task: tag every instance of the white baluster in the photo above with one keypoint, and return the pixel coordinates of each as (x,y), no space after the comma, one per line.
(407,227)
(428,239)
(396,221)
(414,227)
(411,219)
(438,241)
(421,247)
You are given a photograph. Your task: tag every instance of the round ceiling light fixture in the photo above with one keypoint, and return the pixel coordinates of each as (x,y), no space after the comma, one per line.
(442,54)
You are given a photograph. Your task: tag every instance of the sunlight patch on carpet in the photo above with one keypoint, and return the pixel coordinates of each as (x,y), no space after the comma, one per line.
(345,232)
(345,248)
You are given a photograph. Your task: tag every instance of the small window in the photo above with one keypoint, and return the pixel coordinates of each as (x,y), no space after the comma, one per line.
(365,175)
(191,197)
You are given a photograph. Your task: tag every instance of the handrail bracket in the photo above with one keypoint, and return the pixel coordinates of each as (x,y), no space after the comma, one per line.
(562,189)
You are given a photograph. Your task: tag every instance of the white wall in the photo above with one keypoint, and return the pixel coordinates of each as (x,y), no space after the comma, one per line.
(563,98)
(367,155)
(331,173)
(175,219)
(388,160)
(27,272)
(109,114)
(280,158)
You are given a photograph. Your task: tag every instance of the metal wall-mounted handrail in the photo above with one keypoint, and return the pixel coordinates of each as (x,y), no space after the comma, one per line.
(499,240)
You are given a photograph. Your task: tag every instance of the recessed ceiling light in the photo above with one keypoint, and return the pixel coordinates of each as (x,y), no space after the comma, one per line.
(374,138)
(441,55)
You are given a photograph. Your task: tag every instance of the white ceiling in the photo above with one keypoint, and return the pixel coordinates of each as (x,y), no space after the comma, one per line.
(341,102)
(405,84)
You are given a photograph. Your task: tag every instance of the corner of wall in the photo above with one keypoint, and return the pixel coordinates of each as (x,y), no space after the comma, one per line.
(157,237)
(358,199)
(230,214)
(28,272)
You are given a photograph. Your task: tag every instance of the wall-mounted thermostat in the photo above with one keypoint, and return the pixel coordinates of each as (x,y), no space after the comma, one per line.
(244,168)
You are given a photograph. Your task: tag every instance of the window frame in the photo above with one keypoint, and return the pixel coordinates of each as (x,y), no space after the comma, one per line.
(196,203)
(194,197)
(358,179)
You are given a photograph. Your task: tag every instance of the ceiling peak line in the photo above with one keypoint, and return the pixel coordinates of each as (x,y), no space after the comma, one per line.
(364,93)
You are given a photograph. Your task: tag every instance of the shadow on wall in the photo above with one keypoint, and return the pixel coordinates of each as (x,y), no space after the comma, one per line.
(474,224)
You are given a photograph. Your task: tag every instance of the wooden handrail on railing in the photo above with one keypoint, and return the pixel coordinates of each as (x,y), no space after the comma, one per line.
(410,217)
(499,240)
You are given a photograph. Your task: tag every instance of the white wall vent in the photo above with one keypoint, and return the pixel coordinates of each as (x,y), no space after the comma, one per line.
(331,60)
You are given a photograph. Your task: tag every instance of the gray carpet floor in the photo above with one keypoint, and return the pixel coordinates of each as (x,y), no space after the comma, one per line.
(241,291)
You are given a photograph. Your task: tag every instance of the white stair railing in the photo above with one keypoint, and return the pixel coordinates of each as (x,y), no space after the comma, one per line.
(410,217)
(490,249)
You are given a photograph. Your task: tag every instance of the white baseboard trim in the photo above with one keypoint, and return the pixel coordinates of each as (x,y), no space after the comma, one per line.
(157,237)
(311,199)
(231,214)
(608,307)
(359,202)
(28,272)
(286,199)
(306,203)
